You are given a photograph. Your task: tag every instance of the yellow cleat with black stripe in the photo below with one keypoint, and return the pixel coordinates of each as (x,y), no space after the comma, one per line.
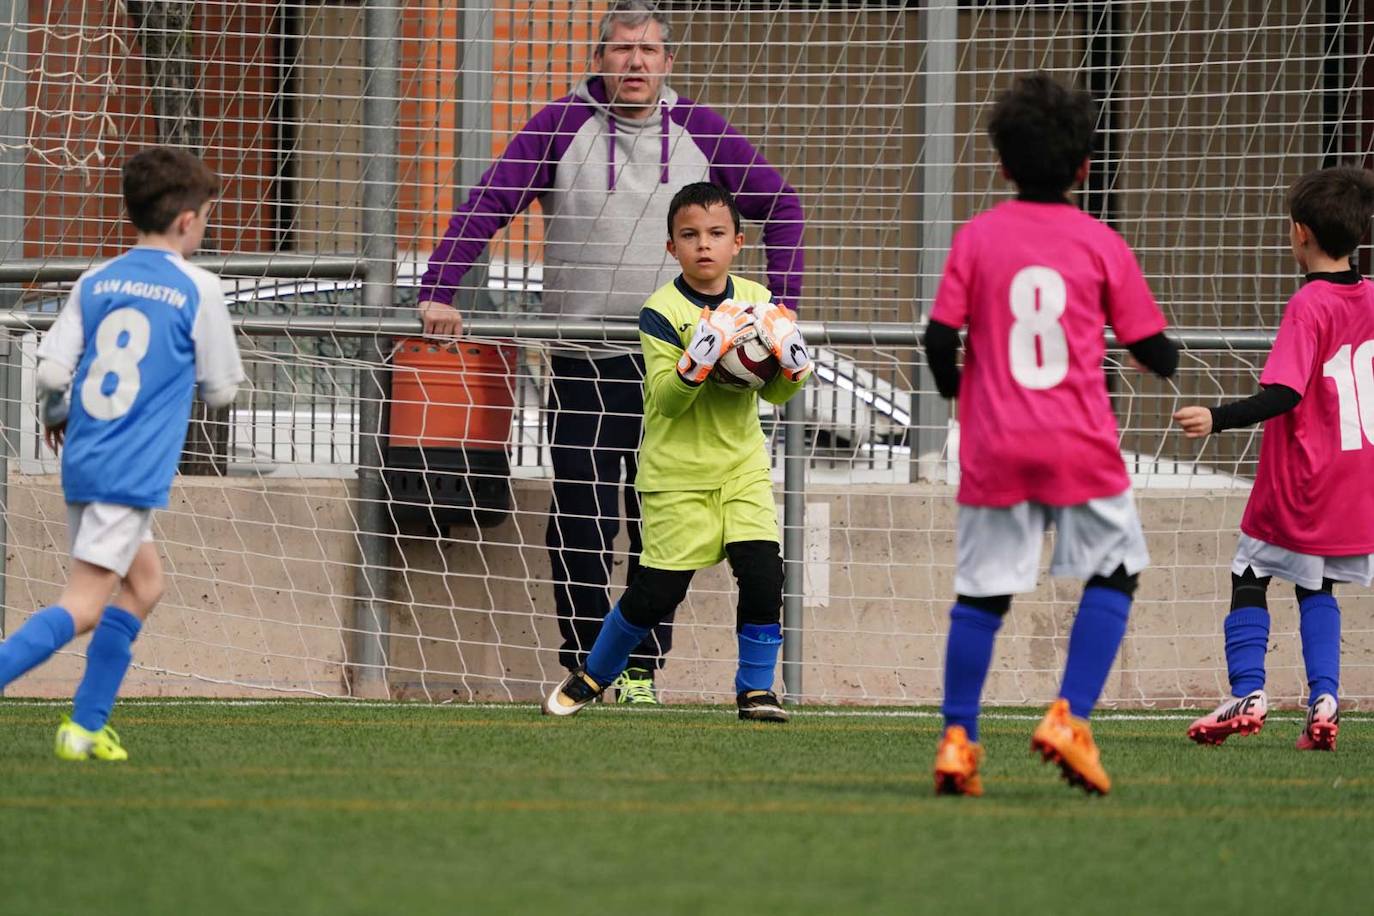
(76,743)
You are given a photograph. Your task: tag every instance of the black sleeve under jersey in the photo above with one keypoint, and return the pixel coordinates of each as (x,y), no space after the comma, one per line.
(941,344)
(1271,401)
(1157,353)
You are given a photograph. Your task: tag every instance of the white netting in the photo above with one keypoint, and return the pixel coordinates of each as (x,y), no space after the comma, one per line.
(1210,111)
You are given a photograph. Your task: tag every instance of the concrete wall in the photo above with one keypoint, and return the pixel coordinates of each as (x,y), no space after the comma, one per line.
(260,573)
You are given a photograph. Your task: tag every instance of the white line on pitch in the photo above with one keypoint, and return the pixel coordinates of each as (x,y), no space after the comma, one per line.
(800,711)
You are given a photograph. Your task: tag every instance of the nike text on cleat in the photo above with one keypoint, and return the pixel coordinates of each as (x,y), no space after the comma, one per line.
(1237,716)
(760,706)
(1323,722)
(1066,740)
(76,743)
(577,690)
(636,687)
(956,764)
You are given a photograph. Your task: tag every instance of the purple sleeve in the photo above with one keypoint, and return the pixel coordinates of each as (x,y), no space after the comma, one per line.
(519,175)
(759,190)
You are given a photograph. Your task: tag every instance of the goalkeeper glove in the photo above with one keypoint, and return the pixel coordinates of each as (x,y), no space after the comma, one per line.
(716,332)
(778,330)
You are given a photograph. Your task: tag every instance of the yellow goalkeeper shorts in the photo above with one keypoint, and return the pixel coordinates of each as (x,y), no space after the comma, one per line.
(688,529)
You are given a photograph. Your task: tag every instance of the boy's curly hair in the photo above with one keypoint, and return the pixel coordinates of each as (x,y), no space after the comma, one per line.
(1043,131)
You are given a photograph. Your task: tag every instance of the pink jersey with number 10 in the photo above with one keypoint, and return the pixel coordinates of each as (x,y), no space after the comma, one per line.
(1036,283)
(1314,491)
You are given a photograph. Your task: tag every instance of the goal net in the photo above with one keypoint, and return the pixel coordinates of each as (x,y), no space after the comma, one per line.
(874,113)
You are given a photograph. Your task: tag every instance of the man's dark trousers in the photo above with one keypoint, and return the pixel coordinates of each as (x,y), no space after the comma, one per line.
(596,414)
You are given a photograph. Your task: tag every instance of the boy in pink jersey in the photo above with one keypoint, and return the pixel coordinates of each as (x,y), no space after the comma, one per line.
(1310,518)
(1035,279)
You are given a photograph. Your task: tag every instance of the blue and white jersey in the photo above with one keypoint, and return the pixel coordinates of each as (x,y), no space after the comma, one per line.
(138,333)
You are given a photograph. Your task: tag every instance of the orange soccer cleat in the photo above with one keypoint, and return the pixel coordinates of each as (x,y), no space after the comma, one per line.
(1067,740)
(956,764)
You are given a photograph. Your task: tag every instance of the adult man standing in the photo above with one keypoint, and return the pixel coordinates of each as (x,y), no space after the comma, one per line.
(604,163)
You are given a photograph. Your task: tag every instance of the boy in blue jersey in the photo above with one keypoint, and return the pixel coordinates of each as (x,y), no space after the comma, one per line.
(117,373)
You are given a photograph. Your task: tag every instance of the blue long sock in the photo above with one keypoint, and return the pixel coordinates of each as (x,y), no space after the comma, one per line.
(1098,629)
(107,659)
(1247,641)
(968,655)
(1320,628)
(611,651)
(759,645)
(41,635)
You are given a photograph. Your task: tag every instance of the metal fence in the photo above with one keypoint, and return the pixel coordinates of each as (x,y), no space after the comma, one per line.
(311,358)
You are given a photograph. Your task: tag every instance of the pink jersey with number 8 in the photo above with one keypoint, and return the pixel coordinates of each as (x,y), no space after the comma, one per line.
(1036,283)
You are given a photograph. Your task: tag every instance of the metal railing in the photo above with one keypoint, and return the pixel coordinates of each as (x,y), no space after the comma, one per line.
(792,436)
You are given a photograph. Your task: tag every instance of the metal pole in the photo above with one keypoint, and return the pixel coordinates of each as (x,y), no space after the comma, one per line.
(380,112)
(13,149)
(880,334)
(9,437)
(13,137)
(793,544)
(276,266)
(940,31)
(475,87)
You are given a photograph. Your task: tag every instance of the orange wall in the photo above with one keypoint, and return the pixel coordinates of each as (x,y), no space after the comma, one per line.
(91,109)
(540,49)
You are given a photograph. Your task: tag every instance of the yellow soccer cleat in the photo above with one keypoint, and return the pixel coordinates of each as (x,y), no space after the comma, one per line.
(956,764)
(75,743)
(1067,740)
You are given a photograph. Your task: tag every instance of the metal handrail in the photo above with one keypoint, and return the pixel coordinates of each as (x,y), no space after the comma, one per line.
(284,266)
(583,330)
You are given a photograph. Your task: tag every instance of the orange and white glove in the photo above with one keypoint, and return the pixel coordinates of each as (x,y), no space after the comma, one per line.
(716,332)
(777,327)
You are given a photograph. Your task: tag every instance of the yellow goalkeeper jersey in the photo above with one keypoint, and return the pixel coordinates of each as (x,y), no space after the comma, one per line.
(696,437)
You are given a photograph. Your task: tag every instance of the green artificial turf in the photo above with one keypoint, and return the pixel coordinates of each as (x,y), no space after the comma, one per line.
(327,807)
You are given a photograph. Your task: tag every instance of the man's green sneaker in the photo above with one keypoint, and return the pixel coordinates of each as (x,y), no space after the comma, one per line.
(75,743)
(636,687)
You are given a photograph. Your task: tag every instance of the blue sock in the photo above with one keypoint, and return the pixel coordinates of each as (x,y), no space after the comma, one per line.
(611,651)
(968,655)
(107,658)
(41,635)
(1247,641)
(1096,635)
(1320,628)
(759,645)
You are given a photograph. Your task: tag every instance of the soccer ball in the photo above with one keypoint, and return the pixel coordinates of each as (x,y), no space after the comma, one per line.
(748,366)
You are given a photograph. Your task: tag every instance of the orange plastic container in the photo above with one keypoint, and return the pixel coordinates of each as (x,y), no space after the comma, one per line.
(451,395)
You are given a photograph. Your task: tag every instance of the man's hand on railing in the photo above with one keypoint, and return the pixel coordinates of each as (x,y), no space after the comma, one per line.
(440,320)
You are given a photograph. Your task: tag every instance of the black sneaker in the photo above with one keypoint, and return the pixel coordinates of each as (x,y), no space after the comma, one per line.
(577,690)
(760,706)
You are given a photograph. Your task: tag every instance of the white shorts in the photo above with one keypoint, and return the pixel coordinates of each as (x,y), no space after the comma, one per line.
(1300,568)
(107,535)
(999,548)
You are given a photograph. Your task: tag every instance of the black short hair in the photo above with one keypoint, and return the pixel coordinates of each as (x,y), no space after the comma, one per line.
(1335,204)
(161,183)
(1043,131)
(702,194)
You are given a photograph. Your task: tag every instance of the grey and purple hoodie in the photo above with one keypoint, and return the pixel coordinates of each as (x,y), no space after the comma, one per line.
(604,183)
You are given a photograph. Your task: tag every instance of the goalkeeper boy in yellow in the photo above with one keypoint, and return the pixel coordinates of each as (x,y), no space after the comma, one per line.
(705,484)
